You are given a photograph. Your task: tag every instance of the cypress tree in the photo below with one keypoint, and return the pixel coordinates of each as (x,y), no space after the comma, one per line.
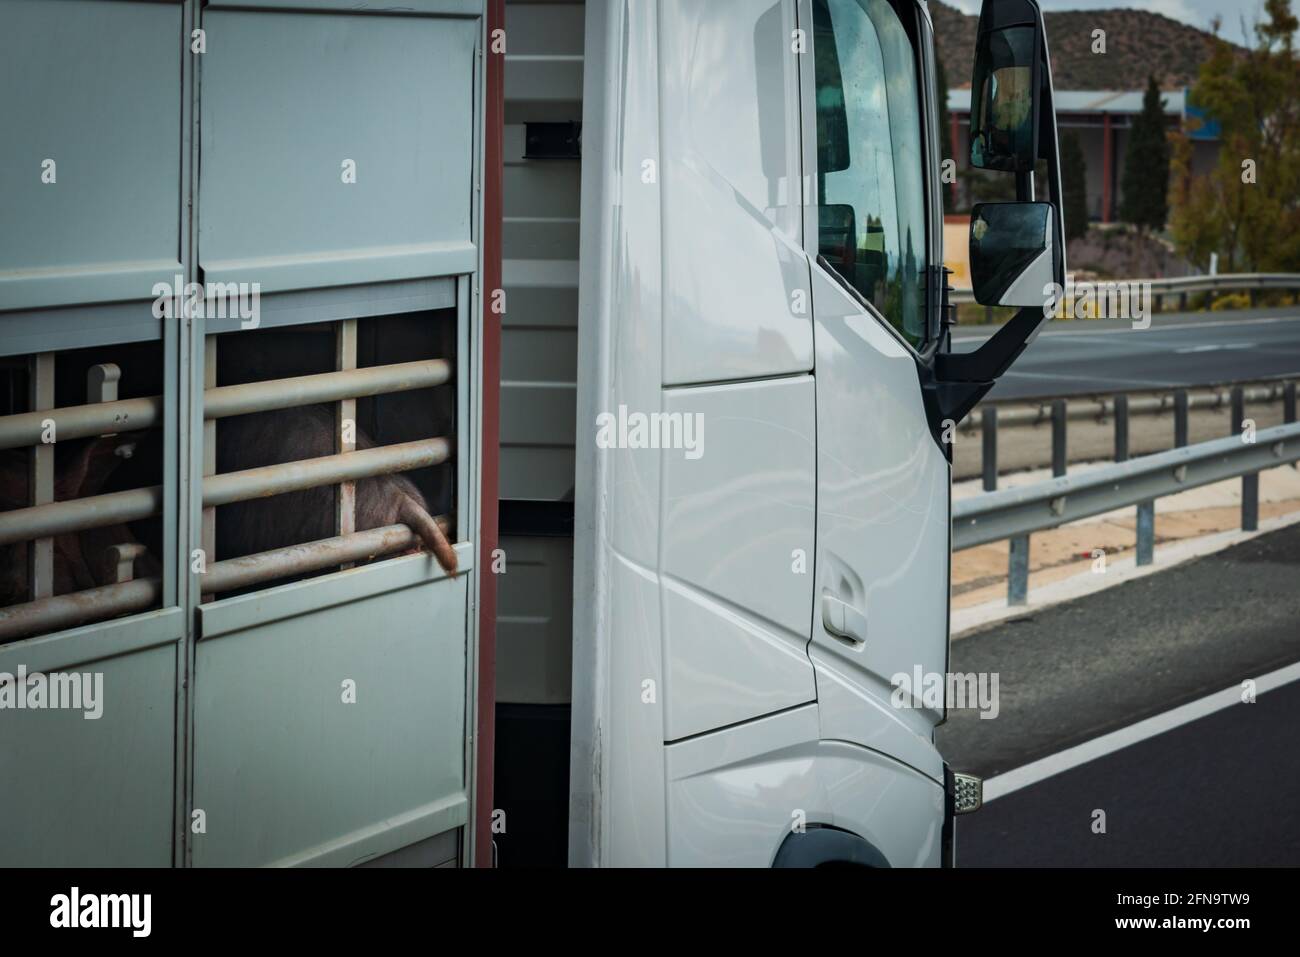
(1145,201)
(1074,180)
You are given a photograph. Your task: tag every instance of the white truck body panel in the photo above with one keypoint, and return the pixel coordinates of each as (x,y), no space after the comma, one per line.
(711,709)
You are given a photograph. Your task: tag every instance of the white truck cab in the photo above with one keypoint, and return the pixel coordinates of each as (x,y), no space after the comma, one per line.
(717,350)
(764,396)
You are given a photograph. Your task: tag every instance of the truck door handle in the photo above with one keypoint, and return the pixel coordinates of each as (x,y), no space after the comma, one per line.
(843,620)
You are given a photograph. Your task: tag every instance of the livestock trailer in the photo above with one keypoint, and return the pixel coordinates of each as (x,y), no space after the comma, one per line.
(235,214)
(464,432)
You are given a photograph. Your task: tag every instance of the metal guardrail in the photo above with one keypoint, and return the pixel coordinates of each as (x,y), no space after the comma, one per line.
(1186,285)
(993,415)
(1014,513)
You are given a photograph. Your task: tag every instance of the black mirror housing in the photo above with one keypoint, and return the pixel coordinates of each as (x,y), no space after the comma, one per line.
(1015,256)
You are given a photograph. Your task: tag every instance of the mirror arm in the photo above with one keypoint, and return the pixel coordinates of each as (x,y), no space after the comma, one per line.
(993,358)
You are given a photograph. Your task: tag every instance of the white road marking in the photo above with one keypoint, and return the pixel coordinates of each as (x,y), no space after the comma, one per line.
(1053,764)
(1216,347)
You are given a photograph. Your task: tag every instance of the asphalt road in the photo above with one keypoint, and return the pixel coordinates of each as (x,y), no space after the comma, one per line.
(1222,790)
(1189,349)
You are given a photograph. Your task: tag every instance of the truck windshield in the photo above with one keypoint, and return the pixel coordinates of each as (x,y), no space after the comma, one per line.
(870,179)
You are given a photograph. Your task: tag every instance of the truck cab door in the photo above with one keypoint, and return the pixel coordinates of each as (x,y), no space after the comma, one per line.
(889,393)
(881,592)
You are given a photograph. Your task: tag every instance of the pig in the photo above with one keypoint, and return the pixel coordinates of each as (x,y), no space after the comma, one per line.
(288,435)
(81,559)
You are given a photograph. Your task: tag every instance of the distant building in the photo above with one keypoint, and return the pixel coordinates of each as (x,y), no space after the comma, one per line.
(1101,119)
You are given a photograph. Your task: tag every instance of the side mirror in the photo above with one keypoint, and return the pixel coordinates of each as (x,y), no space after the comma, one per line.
(1005,90)
(1017,249)
(1014,253)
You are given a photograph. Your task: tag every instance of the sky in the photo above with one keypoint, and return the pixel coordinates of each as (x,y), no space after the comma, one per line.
(1196,13)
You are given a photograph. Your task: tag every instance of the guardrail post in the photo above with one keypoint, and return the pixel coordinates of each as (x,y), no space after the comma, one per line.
(1058,438)
(1180,418)
(989,446)
(1146,532)
(1249,483)
(1018,571)
(1182,302)
(1121,428)
(1288,409)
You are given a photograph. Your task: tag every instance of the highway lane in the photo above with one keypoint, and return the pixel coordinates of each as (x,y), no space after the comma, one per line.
(1224,789)
(1221,791)
(1189,349)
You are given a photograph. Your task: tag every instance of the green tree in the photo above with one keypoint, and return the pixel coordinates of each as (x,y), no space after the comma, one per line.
(1145,200)
(1247,208)
(1074,185)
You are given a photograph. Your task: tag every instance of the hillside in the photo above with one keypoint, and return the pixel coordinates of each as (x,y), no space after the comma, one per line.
(1138,43)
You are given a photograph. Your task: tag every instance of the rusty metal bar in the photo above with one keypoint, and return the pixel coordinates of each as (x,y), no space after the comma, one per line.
(40,478)
(130,415)
(326,470)
(81,421)
(345,426)
(94,511)
(309,557)
(79,608)
(208,518)
(326,387)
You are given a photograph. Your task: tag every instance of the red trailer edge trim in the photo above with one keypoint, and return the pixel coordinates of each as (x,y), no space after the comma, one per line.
(492,226)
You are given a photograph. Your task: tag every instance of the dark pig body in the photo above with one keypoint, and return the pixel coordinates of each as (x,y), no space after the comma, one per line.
(81,559)
(281,521)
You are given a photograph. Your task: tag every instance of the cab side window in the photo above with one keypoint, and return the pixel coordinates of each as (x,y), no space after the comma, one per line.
(870,175)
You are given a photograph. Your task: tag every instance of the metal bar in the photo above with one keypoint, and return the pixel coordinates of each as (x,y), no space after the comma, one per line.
(130,415)
(1250,502)
(1121,428)
(1018,571)
(989,446)
(309,557)
(1180,418)
(1058,437)
(209,517)
(1182,285)
(345,426)
(1249,481)
(1146,532)
(1288,402)
(326,470)
(40,478)
(81,421)
(94,511)
(78,608)
(1016,511)
(326,387)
